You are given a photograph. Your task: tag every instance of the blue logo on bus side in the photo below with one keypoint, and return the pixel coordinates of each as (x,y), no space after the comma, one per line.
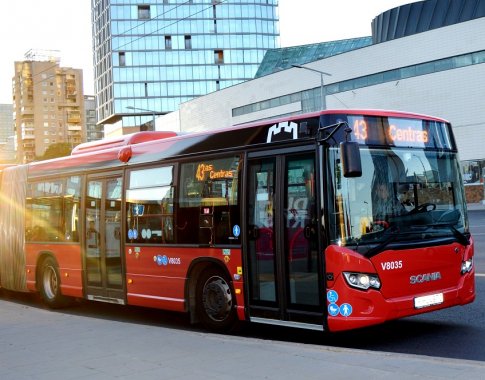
(332,296)
(236,230)
(333,309)
(130,234)
(138,210)
(162,260)
(345,309)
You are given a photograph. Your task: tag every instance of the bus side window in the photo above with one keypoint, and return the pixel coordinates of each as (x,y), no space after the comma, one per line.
(150,206)
(208,205)
(53,210)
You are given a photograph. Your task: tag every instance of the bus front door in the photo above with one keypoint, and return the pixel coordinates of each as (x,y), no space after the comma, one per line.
(284,275)
(102,258)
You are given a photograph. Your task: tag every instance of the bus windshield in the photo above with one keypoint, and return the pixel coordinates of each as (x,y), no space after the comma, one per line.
(404,195)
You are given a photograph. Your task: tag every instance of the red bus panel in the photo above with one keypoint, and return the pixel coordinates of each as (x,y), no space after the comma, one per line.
(429,274)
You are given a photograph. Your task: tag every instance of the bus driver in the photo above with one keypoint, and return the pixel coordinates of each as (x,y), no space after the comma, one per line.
(385,205)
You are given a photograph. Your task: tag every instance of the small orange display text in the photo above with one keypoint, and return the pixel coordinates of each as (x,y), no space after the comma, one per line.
(407,134)
(205,171)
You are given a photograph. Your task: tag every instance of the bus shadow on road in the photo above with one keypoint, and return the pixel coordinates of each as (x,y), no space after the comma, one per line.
(107,311)
(415,336)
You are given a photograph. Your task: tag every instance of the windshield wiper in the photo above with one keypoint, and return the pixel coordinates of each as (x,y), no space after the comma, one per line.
(393,233)
(460,236)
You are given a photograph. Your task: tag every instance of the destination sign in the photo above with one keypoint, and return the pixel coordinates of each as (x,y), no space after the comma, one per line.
(401,132)
(205,171)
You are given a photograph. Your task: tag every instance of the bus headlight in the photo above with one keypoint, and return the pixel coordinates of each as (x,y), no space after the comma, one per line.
(362,280)
(467,266)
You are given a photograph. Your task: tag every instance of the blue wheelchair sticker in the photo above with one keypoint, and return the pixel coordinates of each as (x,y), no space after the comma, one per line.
(332,296)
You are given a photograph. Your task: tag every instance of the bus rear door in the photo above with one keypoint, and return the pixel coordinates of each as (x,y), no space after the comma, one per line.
(102,258)
(284,279)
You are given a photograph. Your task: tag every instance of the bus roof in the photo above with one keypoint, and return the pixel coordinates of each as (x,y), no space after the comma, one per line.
(144,147)
(125,140)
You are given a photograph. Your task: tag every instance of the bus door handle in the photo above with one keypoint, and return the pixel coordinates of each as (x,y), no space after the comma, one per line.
(307,231)
(253,232)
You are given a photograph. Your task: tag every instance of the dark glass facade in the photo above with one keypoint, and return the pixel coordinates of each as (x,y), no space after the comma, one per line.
(282,59)
(151,56)
(422,16)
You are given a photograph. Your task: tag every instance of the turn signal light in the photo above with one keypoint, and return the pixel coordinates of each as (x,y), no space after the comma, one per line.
(467,266)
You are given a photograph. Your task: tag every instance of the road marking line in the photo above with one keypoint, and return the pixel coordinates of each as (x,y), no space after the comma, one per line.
(480,274)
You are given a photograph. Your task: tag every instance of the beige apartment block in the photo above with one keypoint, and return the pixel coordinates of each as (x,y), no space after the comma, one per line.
(48,105)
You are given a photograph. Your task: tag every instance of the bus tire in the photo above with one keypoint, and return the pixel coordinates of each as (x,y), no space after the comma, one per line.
(215,302)
(50,284)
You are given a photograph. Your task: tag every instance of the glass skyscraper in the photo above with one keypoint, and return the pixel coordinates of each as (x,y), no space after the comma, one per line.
(152,55)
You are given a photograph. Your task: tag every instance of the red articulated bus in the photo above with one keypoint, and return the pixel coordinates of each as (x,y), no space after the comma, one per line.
(330,221)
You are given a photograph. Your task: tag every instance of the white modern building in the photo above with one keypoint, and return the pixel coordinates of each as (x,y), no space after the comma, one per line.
(425,57)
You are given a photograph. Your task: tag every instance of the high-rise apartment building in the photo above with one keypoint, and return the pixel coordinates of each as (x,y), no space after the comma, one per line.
(48,104)
(152,55)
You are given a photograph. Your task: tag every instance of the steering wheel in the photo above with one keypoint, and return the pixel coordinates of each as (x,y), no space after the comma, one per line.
(382,225)
(424,207)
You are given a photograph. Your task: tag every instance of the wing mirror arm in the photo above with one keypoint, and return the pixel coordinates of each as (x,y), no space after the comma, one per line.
(349,150)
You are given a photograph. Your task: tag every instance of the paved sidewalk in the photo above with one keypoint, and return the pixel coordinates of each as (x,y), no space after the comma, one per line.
(476,206)
(42,344)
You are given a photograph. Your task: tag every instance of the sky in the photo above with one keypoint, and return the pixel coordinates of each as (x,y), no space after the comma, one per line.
(65,25)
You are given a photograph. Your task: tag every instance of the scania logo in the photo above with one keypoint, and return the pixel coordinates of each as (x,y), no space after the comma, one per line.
(425,277)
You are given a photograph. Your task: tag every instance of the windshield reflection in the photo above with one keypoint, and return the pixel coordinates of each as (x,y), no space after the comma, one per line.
(403,195)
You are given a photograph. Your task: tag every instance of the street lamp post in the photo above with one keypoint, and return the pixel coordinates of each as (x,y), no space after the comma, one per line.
(322,73)
(143,109)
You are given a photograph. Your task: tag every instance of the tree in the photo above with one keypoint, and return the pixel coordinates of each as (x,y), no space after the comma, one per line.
(56,150)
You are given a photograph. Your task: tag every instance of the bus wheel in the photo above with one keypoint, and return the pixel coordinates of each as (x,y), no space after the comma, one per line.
(215,302)
(50,284)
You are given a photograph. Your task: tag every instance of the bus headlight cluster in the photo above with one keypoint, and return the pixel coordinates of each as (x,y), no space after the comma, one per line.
(362,280)
(467,266)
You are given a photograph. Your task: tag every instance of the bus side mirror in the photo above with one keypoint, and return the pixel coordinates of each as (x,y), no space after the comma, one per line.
(350,158)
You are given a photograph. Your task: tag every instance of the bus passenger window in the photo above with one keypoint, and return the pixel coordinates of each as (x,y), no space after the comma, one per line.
(149,202)
(52,210)
(208,208)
